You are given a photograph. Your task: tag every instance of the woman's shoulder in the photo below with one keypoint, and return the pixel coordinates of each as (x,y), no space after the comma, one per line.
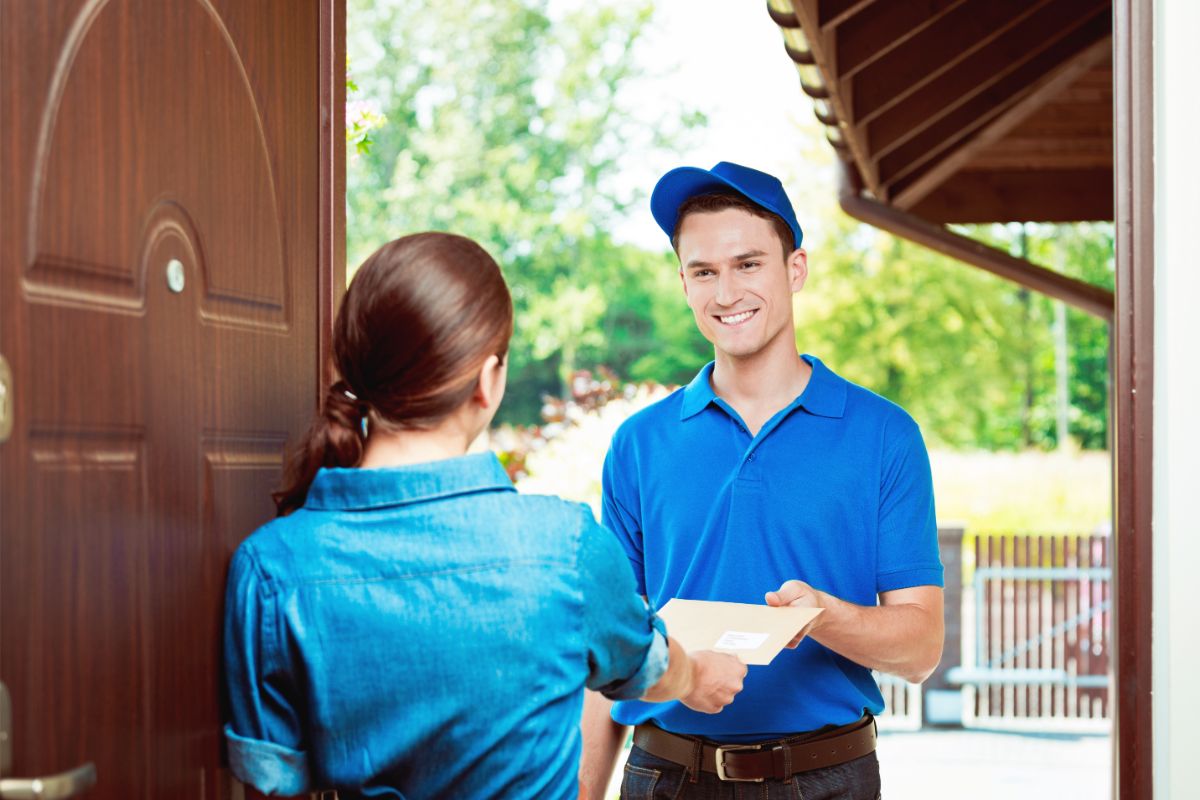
(274,545)
(552,507)
(546,524)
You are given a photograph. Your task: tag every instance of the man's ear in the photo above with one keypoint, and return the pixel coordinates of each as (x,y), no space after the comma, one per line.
(797,264)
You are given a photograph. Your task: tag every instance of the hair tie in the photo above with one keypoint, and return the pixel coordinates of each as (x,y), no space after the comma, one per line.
(361,408)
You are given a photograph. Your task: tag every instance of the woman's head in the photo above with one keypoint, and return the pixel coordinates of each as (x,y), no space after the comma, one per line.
(421,318)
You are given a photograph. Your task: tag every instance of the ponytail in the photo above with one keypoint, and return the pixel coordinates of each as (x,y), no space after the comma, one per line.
(335,439)
(422,315)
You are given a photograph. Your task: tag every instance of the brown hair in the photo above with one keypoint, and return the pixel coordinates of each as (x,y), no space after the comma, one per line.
(712,202)
(418,321)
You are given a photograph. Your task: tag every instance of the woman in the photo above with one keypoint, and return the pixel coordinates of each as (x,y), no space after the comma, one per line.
(410,626)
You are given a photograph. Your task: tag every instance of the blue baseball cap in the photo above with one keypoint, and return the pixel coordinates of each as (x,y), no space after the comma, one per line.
(759,188)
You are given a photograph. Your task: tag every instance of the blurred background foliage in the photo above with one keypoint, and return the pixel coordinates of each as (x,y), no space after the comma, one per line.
(971,356)
(511,130)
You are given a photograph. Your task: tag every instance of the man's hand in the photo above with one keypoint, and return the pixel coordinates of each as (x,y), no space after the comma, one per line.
(797,593)
(716,679)
(901,635)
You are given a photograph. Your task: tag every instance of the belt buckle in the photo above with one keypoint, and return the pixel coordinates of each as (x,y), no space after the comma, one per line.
(720,757)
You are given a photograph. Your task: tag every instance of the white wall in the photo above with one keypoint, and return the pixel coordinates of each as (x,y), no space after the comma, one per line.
(1176,627)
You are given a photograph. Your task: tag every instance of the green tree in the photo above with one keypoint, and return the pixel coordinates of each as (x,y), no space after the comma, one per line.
(509,130)
(970,355)
(1084,251)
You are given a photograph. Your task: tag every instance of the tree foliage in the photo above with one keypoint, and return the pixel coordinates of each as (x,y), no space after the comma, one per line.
(507,121)
(970,355)
(506,124)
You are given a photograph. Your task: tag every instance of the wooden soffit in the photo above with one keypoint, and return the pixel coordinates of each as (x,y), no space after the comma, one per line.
(964,110)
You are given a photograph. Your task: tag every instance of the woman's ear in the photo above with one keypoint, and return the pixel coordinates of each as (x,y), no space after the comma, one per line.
(493,376)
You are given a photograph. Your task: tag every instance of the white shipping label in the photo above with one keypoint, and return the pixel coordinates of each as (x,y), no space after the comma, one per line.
(740,640)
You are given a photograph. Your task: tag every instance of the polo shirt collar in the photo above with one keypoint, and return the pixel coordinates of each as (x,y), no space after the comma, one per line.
(340,489)
(699,393)
(825,395)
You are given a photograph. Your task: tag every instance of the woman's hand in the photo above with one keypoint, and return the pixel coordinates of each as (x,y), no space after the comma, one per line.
(716,680)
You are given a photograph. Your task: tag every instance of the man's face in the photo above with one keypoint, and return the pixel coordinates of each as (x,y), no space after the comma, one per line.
(737,281)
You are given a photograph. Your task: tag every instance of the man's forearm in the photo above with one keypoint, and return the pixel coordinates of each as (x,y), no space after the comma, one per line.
(602,740)
(902,639)
(902,635)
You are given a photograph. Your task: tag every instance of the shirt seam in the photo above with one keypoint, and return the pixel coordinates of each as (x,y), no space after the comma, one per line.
(625,510)
(319,505)
(582,619)
(916,568)
(297,582)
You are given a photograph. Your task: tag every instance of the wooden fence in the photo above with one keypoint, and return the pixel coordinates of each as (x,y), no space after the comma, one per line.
(1036,631)
(902,704)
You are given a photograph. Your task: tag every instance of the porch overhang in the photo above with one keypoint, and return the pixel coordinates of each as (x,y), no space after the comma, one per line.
(965,111)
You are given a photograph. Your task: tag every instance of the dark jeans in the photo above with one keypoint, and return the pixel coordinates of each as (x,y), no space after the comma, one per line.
(648,777)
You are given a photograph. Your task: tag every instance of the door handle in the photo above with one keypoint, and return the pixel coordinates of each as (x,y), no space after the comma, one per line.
(65,784)
(6,401)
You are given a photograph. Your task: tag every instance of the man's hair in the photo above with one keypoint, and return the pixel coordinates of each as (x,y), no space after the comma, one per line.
(720,200)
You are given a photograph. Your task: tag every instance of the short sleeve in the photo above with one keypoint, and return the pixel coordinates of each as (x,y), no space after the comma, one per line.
(626,641)
(908,544)
(264,734)
(618,509)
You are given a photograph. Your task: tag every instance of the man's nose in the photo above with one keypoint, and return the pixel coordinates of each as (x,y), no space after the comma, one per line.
(728,291)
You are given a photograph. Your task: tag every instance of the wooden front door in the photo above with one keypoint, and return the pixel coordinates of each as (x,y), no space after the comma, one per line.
(165,271)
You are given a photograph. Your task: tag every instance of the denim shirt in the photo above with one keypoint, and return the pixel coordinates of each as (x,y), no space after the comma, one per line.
(425,631)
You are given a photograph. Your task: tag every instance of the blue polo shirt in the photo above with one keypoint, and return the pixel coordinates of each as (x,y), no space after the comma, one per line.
(834,490)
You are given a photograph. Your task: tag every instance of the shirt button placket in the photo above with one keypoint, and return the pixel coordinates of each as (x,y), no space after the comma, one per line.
(750,468)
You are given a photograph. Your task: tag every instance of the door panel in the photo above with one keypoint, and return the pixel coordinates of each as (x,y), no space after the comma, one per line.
(88,661)
(164,267)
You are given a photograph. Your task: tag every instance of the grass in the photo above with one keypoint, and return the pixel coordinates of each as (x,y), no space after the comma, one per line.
(1032,491)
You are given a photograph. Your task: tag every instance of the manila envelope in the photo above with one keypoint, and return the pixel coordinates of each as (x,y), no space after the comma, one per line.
(753,633)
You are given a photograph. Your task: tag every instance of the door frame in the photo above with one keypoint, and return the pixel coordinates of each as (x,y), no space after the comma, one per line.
(331,282)
(1133,395)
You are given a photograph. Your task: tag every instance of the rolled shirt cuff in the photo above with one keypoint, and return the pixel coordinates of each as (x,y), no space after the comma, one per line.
(268,767)
(653,668)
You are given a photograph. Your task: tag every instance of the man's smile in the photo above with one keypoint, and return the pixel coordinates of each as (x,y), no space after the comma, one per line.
(739,318)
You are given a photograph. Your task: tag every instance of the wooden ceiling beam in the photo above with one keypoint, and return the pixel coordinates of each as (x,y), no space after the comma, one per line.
(984,68)
(1059,121)
(825,59)
(988,118)
(936,49)
(1046,153)
(1060,195)
(831,13)
(1085,296)
(1026,87)
(864,38)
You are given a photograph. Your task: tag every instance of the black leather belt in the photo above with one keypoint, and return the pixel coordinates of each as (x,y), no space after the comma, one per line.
(779,759)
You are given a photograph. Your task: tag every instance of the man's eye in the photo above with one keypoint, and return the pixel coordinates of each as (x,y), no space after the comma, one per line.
(749,264)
